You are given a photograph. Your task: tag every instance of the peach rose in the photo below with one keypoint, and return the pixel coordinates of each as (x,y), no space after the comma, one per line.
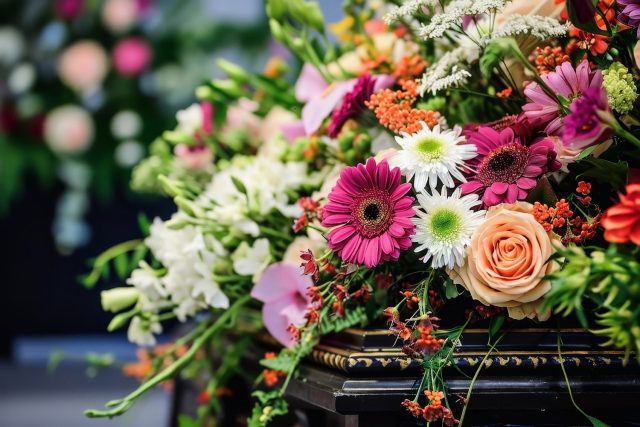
(507,259)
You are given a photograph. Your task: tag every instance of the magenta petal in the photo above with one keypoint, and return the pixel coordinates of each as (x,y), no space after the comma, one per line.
(526,183)
(512,193)
(499,187)
(341,233)
(490,198)
(471,186)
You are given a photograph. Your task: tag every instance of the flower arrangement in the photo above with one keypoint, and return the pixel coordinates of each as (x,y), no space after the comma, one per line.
(84,84)
(439,152)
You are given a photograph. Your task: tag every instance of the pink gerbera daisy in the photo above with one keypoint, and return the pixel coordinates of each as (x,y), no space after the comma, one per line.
(505,169)
(542,110)
(371,214)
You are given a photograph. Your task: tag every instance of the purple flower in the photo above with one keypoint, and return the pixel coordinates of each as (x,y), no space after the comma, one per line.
(505,170)
(590,120)
(630,14)
(352,104)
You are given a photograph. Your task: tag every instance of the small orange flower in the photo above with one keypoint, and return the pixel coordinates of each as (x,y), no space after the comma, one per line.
(622,221)
(505,93)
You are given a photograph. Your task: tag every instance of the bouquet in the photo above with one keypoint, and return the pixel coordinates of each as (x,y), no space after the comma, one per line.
(424,153)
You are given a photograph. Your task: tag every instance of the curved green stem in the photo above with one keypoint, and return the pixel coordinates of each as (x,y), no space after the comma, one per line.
(120,406)
(475,377)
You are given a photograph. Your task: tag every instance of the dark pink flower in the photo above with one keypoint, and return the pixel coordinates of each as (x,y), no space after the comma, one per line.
(69,9)
(371,214)
(505,170)
(284,291)
(589,122)
(131,56)
(543,111)
(352,104)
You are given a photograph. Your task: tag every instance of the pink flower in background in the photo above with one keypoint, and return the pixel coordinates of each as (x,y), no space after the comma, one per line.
(542,110)
(283,290)
(131,56)
(590,120)
(321,98)
(69,9)
(119,16)
(194,157)
(371,214)
(83,66)
(505,170)
(68,129)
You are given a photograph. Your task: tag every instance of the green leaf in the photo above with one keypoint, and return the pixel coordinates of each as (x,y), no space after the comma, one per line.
(352,317)
(282,362)
(586,152)
(605,171)
(450,289)
(121,264)
(187,421)
(495,324)
(239,185)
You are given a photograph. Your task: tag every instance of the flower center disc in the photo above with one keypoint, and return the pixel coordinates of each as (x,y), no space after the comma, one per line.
(372,213)
(445,225)
(505,164)
(429,149)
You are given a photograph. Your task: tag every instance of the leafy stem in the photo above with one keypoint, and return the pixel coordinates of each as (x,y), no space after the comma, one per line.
(120,406)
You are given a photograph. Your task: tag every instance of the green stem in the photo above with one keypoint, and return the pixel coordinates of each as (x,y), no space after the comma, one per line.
(623,133)
(274,233)
(475,377)
(103,259)
(122,405)
(593,420)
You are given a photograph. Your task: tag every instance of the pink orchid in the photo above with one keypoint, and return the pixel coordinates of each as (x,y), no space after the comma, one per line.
(321,98)
(283,290)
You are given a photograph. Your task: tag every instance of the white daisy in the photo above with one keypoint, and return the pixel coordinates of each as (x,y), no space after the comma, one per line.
(444,226)
(430,155)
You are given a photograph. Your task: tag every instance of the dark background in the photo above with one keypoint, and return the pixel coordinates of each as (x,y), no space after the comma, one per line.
(39,289)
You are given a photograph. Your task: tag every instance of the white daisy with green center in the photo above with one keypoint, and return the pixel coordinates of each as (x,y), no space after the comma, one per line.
(444,226)
(432,155)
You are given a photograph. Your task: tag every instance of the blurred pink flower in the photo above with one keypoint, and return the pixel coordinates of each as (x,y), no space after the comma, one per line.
(283,290)
(69,9)
(83,66)
(68,129)
(543,111)
(194,157)
(119,16)
(131,56)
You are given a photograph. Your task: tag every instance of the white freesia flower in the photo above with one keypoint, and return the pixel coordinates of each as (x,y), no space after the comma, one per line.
(190,119)
(142,333)
(444,225)
(146,280)
(407,10)
(430,156)
(252,260)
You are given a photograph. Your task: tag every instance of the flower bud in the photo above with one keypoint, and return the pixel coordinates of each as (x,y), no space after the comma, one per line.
(118,299)
(235,72)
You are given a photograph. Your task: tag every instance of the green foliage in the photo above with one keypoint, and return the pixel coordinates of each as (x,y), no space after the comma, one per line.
(610,280)
(122,259)
(352,317)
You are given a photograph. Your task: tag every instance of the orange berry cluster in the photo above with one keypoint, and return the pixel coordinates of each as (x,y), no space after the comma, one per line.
(411,300)
(409,67)
(561,218)
(548,58)
(394,109)
(434,410)
(271,376)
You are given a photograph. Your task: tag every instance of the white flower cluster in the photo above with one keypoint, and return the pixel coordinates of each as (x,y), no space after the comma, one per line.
(408,9)
(451,17)
(541,27)
(445,73)
(266,182)
(188,285)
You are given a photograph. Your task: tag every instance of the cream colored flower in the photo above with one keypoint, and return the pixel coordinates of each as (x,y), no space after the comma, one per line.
(507,259)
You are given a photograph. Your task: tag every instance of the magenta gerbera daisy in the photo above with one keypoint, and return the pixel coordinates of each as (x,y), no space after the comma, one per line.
(505,169)
(542,110)
(371,214)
